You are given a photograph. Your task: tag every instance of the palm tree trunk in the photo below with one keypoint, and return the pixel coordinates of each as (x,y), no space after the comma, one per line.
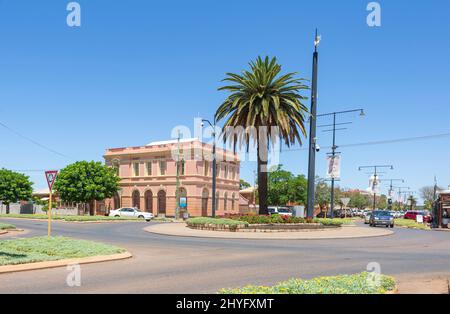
(262,175)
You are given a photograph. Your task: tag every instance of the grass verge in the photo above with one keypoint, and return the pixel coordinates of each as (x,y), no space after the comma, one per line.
(362,283)
(69,218)
(6,226)
(412,224)
(41,249)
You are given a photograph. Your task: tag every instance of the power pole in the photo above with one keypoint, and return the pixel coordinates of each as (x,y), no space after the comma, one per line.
(335,147)
(375,180)
(312,132)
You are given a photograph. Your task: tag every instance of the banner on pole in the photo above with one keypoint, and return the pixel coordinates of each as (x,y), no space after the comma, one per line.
(334,167)
(51,177)
(374,185)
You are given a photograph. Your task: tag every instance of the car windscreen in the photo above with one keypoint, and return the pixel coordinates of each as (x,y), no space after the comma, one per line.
(284,210)
(382,213)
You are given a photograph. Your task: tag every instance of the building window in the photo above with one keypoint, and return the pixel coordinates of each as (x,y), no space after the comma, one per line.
(182,167)
(162,167)
(206,168)
(116,166)
(149,168)
(218,170)
(136,169)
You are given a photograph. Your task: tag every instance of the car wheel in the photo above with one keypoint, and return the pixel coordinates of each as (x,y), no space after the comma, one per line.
(392,226)
(117,216)
(141,217)
(148,220)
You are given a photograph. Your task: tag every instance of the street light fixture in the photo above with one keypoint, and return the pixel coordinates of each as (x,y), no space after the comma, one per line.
(214,171)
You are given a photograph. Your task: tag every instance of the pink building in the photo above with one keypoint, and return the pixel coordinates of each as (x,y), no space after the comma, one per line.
(149,177)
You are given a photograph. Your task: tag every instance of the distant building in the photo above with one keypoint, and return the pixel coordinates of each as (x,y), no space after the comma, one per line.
(149,178)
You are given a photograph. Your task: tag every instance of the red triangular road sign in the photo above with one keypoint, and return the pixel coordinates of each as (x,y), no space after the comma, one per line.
(51,177)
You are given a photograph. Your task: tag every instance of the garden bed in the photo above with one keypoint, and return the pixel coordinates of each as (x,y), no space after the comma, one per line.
(362,283)
(253,223)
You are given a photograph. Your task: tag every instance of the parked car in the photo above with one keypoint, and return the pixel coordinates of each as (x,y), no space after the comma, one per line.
(381,218)
(131,212)
(282,211)
(412,215)
(367,218)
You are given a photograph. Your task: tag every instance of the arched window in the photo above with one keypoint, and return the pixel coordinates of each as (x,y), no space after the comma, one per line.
(148,201)
(217,201)
(116,204)
(205,197)
(233,196)
(136,199)
(225,196)
(162,202)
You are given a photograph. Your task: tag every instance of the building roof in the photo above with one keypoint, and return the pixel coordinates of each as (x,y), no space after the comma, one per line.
(248,190)
(186,140)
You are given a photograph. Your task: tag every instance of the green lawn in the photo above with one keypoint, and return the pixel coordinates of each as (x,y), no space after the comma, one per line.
(412,224)
(344,284)
(6,226)
(68,218)
(39,249)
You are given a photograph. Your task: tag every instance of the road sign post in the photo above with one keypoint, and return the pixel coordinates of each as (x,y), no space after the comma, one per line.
(51,177)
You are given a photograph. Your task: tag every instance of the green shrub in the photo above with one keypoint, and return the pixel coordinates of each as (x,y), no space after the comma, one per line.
(344,284)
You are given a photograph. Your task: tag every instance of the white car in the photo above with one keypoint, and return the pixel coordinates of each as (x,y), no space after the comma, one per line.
(367,218)
(282,211)
(132,213)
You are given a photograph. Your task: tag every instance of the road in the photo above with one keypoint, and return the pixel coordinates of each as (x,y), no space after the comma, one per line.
(164,264)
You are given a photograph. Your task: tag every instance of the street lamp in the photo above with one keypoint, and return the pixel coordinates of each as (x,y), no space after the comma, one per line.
(334,147)
(312,133)
(214,171)
(375,176)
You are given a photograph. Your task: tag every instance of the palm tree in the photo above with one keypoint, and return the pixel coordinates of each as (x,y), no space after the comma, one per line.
(264,106)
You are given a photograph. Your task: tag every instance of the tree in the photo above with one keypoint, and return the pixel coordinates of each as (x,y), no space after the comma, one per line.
(358,200)
(85,182)
(285,187)
(322,194)
(427,194)
(265,106)
(14,187)
(244,185)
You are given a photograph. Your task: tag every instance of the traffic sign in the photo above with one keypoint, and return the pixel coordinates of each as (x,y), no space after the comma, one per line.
(51,177)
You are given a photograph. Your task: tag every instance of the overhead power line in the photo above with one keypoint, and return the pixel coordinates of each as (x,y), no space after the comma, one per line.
(33,141)
(382,142)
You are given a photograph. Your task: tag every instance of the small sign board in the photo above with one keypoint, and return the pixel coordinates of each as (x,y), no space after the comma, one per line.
(183,202)
(345,201)
(419,219)
(51,177)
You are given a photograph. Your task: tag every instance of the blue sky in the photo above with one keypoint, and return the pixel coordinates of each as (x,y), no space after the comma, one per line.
(136,69)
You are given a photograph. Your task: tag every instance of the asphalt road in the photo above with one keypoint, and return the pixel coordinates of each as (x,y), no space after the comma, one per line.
(164,264)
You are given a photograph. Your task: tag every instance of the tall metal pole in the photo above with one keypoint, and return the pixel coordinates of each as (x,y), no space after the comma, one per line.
(312,133)
(333,154)
(375,176)
(214,173)
(214,166)
(177,210)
